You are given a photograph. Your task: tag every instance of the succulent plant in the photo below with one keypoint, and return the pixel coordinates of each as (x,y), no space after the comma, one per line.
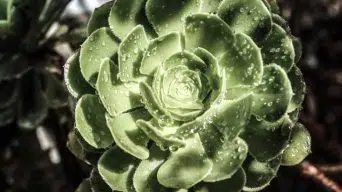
(27,86)
(187,94)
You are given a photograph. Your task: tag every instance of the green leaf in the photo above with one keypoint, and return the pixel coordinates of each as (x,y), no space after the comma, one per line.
(85,186)
(8,114)
(91,122)
(210,6)
(233,184)
(127,135)
(272,97)
(116,96)
(99,18)
(126,15)
(9,92)
(131,53)
(162,136)
(116,167)
(97,183)
(278,48)
(145,176)
(250,17)
(32,105)
(99,45)
(266,140)
(259,174)
(227,159)
(159,50)
(209,32)
(273,5)
(297,44)
(242,62)
(298,88)
(299,146)
(186,166)
(55,93)
(167,16)
(74,80)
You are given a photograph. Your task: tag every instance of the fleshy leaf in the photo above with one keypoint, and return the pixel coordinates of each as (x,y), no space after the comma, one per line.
(233,184)
(74,80)
(145,176)
(97,183)
(99,45)
(259,174)
(85,186)
(209,32)
(167,16)
(163,137)
(242,62)
(299,146)
(116,167)
(250,17)
(227,160)
(297,44)
(210,6)
(266,140)
(117,97)
(159,50)
(186,166)
(278,48)
(7,114)
(130,54)
(91,122)
(298,88)
(13,66)
(273,95)
(127,135)
(9,92)
(127,14)
(99,18)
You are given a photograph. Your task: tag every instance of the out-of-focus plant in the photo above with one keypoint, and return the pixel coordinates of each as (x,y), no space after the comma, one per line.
(187,94)
(27,58)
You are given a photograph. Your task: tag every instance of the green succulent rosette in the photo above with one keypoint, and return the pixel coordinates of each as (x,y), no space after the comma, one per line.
(189,94)
(27,87)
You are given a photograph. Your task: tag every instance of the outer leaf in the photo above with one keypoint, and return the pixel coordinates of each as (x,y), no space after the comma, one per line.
(278,48)
(91,122)
(54,92)
(259,174)
(159,50)
(115,167)
(110,89)
(299,146)
(8,114)
(266,140)
(145,177)
(227,160)
(210,6)
(9,92)
(74,80)
(298,88)
(209,32)
(167,16)
(97,183)
(186,166)
(242,62)
(99,18)
(233,184)
(127,14)
(127,135)
(85,186)
(273,95)
(13,66)
(250,17)
(99,45)
(131,53)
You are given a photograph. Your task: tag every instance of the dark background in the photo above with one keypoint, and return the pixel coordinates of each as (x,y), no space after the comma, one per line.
(26,167)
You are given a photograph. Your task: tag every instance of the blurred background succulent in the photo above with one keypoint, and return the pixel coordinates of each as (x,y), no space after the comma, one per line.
(29,62)
(177,95)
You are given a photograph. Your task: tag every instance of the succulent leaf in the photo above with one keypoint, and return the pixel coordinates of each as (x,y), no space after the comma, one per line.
(99,18)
